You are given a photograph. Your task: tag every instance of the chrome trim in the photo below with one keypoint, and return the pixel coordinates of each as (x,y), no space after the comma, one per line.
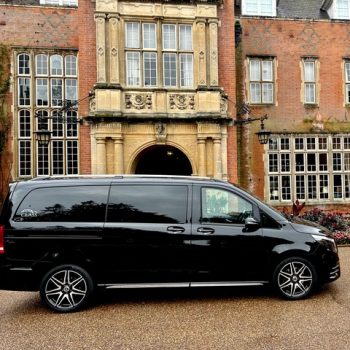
(21,269)
(144,285)
(228,284)
(335,272)
(182,284)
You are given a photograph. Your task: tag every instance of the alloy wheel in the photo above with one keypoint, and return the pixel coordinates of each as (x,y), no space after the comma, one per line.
(295,279)
(65,289)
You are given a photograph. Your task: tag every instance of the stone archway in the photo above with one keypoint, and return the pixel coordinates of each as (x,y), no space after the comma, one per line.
(163,160)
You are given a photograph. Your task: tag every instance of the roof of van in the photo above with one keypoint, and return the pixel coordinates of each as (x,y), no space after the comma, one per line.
(122,176)
(110,178)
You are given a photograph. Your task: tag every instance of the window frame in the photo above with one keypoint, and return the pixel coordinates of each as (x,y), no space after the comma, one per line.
(337,10)
(32,160)
(260,82)
(173,53)
(68,3)
(307,83)
(325,160)
(259,12)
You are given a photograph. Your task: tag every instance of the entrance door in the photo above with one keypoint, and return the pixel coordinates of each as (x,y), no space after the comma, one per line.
(163,160)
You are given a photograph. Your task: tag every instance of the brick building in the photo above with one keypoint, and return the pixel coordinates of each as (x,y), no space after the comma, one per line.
(158,83)
(155,87)
(293,64)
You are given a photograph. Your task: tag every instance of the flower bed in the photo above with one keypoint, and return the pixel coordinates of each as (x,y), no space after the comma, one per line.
(336,222)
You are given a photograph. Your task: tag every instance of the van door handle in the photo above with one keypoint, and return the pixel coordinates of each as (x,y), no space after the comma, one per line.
(176,229)
(206,230)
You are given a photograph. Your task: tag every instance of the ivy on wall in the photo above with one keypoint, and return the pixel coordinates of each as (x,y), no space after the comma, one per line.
(5,120)
(4,89)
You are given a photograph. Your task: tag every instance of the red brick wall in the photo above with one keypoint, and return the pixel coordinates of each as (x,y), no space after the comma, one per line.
(37,26)
(227,78)
(288,41)
(87,76)
(32,26)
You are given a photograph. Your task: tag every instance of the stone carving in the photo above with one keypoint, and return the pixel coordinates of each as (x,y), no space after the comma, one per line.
(181,102)
(138,101)
(114,51)
(223,103)
(100,51)
(106,5)
(160,132)
(92,104)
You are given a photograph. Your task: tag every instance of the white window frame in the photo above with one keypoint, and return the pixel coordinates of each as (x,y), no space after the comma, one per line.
(176,47)
(32,160)
(340,14)
(347,81)
(323,176)
(259,11)
(59,2)
(261,87)
(310,81)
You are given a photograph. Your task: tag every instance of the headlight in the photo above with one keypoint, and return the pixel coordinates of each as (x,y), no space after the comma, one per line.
(327,241)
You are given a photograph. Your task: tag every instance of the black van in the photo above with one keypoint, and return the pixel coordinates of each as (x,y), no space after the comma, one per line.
(69,236)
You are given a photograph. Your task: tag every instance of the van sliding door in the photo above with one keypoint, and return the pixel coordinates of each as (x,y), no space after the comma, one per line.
(147,235)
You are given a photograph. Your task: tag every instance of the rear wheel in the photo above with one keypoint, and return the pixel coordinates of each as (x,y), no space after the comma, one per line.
(66,288)
(295,278)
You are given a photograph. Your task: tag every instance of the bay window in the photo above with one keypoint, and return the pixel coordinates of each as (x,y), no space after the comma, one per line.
(42,88)
(312,168)
(142,52)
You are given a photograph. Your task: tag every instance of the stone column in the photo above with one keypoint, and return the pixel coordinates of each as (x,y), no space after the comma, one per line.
(118,155)
(201,157)
(100,19)
(202,52)
(213,53)
(224,152)
(217,159)
(101,167)
(114,49)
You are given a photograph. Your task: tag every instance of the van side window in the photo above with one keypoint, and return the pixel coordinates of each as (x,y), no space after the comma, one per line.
(223,207)
(148,204)
(64,204)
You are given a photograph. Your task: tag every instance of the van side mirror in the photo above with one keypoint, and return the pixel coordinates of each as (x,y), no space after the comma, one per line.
(251,224)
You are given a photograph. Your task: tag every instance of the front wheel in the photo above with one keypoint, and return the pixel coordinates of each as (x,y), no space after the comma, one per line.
(66,288)
(295,278)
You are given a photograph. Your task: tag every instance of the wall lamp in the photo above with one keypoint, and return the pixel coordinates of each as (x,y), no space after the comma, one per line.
(263,134)
(43,135)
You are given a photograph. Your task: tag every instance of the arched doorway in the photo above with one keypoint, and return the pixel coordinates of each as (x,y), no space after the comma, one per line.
(163,160)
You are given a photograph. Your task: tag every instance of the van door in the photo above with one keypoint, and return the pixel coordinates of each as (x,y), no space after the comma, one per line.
(147,234)
(223,248)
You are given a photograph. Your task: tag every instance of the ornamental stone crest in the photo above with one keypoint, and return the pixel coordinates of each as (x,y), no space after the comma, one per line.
(181,102)
(160,132)
(224,103)
(138,101)
(92,104)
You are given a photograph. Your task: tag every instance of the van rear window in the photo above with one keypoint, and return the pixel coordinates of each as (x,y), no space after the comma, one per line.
(148,204)
(64,204)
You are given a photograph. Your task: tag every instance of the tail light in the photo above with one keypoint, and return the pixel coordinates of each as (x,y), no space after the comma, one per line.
(2,233)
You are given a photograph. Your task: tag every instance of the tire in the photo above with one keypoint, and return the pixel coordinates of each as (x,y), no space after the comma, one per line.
(66,288)
(295,278)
